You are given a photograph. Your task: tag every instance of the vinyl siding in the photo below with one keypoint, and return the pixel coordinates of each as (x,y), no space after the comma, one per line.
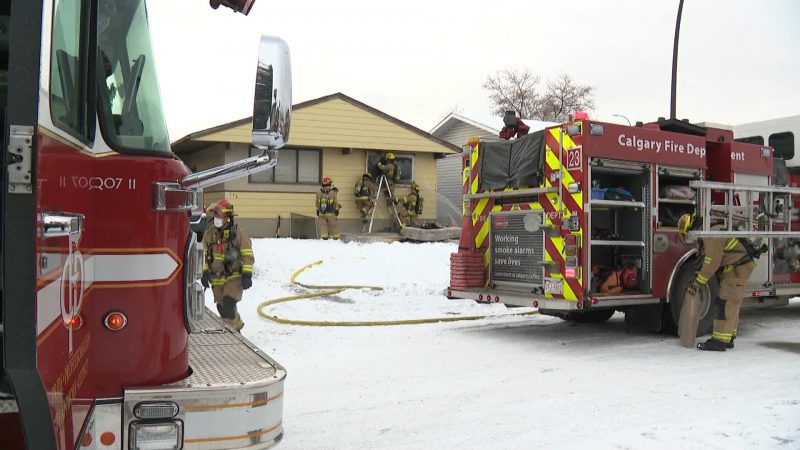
(344,133)
(337,123)
(252,201)
(264,205)
(205,159)
(459,134)
(448,173)
(448,170)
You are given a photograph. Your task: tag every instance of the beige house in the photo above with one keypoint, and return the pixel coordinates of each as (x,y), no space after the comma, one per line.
(336,136)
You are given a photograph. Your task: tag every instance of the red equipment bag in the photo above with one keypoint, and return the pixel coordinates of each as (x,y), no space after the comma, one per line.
(628,278)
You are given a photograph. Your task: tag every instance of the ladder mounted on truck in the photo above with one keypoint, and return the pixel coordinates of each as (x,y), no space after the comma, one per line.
(773,210)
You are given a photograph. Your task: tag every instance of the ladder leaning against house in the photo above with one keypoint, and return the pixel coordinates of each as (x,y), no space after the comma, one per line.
(384,183)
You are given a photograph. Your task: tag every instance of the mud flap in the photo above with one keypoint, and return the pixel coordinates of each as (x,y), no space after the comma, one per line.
(644,317)
(689,319)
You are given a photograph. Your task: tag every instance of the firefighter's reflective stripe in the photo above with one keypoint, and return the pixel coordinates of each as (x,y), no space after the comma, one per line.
(731,244)
(247,253)
(221,280)
(701,279)
(218,256)
(707,260)
(720,336)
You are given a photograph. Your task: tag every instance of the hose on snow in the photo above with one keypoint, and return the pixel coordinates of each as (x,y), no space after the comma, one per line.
(327,291)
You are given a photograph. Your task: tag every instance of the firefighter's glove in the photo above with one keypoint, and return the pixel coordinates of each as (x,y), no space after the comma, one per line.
(247,280)
(206,280)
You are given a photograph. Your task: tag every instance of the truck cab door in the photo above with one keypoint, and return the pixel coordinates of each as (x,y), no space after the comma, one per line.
(22,45)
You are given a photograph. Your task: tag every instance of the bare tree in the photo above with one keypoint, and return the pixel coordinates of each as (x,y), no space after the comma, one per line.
(512,90)
(563,98)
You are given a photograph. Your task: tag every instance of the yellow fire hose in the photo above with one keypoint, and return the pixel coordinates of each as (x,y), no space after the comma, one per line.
(326,291)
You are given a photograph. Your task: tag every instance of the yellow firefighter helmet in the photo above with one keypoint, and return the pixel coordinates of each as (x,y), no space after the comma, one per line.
(686,223)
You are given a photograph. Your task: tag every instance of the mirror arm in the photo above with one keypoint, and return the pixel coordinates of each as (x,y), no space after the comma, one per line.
(237,169)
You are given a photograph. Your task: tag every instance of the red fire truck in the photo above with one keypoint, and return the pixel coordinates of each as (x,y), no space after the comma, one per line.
(547,213)
(106,341)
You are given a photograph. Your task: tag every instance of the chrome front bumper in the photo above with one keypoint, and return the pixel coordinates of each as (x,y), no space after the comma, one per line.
(232,399)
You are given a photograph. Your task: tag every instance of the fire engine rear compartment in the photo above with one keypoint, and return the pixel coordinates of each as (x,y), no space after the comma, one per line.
(618,224)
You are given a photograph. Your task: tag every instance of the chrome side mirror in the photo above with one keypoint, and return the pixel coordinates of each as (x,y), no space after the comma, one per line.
(272,105)
(272,110)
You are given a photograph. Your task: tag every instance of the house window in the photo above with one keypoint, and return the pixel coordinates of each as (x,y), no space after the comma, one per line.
(783,143)
(404,162)
(758,140)
(295,166)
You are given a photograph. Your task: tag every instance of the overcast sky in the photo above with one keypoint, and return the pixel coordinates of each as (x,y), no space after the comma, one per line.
(419,60)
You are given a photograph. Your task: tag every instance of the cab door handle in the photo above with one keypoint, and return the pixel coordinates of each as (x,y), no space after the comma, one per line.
(61,224)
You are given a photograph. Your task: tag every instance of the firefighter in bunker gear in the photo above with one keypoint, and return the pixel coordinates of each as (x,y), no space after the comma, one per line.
(733,260)
(411,207)
(364,193)
(228,264)
(328,209)
(387,168)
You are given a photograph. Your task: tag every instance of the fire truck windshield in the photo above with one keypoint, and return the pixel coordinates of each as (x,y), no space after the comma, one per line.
(130,110)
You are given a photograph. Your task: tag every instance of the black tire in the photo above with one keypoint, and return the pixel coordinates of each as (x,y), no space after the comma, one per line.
(595,316)
(684,276)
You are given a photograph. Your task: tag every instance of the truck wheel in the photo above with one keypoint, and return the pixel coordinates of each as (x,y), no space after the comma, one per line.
(596,316)
(707,294)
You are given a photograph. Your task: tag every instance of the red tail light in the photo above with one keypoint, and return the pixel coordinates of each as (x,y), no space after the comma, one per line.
(75,323)
(115,321)
(107,438)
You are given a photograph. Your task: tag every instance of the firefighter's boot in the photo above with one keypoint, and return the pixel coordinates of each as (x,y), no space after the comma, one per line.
(713,345)
(236,323)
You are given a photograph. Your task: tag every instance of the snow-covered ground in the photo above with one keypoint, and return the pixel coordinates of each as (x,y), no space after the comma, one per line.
(506,381)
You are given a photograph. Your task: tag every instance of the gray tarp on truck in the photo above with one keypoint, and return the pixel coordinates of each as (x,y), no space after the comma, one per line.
(517,163)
